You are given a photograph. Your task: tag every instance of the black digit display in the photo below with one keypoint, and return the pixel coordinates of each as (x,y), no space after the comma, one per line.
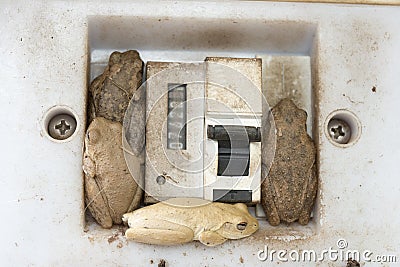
(176,121)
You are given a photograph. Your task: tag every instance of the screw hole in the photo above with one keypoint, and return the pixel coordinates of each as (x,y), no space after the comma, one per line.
(60,124)
(343,128)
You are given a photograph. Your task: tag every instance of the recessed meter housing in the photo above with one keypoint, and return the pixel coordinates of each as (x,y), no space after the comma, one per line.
(203,131)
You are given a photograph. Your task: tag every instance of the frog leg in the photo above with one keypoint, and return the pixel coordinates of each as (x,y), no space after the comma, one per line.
(159,232)
(96,204)
(312,186)
(94,199)
(268,202)
(210,238)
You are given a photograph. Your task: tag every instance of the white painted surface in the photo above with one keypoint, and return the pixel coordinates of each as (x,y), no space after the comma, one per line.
(45,54)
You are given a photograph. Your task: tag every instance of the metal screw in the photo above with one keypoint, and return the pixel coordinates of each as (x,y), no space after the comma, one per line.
(339,131)
(160,179)
(62,126)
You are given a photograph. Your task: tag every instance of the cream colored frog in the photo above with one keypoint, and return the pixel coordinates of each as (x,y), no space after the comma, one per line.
(110,190)
(178,221)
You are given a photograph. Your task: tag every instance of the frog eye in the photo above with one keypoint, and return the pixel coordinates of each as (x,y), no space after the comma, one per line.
(241,226)
(93,136)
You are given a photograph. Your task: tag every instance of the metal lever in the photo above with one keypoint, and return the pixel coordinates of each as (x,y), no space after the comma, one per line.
(234,132)
(233,147)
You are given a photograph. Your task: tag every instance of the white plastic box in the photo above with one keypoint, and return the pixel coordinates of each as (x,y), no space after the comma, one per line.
(51,49)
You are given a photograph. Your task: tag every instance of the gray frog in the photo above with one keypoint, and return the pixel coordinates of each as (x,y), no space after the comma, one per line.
(110,190)
(289,189)
(110,93)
